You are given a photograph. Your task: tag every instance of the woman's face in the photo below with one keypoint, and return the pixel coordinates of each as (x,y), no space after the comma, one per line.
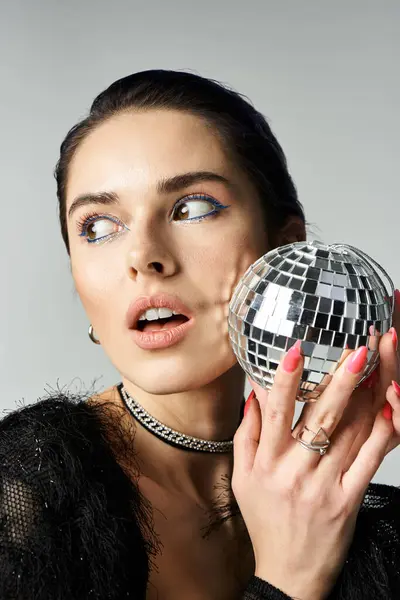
(199,260)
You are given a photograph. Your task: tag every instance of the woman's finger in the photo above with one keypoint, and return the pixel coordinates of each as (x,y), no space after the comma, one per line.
(356,480)
(396,319)
(327,412)
(354,428)
(247,436)
(278,411)
(393,397)
(388,367)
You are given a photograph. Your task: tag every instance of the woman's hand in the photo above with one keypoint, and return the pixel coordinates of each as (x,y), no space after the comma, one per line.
(301,508)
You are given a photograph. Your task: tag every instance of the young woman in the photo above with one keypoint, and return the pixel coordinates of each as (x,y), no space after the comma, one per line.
(169,189)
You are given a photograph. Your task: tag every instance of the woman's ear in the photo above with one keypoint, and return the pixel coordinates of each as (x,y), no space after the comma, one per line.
(294,230)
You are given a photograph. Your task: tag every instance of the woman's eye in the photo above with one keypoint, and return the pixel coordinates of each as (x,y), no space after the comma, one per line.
(196,209)
(97,228)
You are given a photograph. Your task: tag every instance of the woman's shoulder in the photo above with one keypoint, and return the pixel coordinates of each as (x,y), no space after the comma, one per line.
(77,444)
(77,424)
(71,517)
(38,431)
(59,407)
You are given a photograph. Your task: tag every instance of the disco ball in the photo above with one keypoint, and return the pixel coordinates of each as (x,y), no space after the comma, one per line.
(332,298)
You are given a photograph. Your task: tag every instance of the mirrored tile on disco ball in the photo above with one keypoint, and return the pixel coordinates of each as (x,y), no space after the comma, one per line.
(299,331)
(325,305)
(351,295)
(321,320)
(261,286)
(313,334)
(322,263)
(280,342)
(307,348)
(315,377)
(335,323)
(275,354)
(351,310)
(364,309)
(348,325)
(337,293)
(256,333)
(268,338)
(320,351)
(310,286)
(324,290)
(339,339)
(338,307)
(336,266)
(252,346)
(326,337)
(293,313)
(275,260)
(282,279)
(307,317)
(326,277)
(298,269)
(272,275)
(313,273)
(352,341)
(297,299)
(295,283)
(316,364)
(335,353)
(362,294)
(355,282)
(273,324)
(311,302)
(330,366)
(286,328)
(341,280)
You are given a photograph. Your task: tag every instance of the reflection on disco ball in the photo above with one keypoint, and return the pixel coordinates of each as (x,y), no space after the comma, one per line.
(332,298)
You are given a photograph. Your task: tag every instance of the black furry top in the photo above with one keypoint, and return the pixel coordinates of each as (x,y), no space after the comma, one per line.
(74,526)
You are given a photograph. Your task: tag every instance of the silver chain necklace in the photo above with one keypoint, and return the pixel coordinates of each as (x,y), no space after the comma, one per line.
(171,436)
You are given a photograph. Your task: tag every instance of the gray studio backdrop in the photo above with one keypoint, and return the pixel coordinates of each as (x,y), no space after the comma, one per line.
(325,73)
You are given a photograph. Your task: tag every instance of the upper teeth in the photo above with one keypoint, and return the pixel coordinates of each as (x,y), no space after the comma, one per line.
(157,313)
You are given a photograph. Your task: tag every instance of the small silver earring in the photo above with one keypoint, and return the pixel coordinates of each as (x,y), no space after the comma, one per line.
(91,335)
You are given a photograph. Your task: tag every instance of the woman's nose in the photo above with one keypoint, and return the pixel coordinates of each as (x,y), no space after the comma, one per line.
(150,254)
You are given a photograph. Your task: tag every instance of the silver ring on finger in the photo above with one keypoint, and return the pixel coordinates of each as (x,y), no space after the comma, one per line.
(315,445)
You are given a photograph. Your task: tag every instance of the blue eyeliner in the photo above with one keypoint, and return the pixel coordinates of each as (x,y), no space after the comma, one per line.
(90,218)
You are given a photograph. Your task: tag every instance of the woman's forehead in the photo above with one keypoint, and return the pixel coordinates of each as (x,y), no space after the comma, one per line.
(138,148)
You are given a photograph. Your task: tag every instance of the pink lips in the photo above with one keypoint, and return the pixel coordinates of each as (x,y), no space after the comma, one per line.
(154,340)
(143,303)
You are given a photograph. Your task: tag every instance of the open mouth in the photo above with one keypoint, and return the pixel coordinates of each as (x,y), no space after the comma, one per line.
(160,324)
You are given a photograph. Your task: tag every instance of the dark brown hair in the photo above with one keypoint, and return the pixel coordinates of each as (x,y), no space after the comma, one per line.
(244,131)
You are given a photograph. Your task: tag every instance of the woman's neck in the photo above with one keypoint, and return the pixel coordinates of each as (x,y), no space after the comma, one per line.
(213,413)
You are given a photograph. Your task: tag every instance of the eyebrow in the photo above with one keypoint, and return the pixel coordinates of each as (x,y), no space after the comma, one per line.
(164,186)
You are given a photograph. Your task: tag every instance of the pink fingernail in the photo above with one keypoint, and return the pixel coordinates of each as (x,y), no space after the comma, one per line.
(357,360)
(292,358)
(247,403)
(396,388)
(394,337)
(387,411)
